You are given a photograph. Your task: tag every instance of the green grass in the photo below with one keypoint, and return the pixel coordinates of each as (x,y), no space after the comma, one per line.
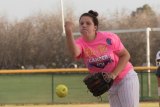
(25,88)
(40,88)
(144,91)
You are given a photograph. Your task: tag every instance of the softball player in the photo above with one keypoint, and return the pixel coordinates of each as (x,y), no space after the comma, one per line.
(104,52)
(158,72)
(158,59)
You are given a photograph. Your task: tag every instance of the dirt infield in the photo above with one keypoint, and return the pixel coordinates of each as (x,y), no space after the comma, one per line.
(146,104)
(61,105)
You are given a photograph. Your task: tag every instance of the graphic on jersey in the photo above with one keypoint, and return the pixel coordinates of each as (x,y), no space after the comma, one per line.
(95,56)
(100,49)
(100,62)
(109,42)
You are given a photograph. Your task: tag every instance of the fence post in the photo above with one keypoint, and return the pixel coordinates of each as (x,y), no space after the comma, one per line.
(52,88)
(141,74)
(148,59)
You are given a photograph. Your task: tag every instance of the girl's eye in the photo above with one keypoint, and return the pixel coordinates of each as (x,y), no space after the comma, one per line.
(88,23)
(81,23)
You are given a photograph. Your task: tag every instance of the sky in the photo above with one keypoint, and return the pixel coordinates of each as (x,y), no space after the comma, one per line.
(20,9)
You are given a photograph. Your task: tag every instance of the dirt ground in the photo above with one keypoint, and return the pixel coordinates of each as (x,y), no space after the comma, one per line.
(146,104)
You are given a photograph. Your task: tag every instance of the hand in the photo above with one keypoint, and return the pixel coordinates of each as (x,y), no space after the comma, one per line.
(69,28)
(110,75)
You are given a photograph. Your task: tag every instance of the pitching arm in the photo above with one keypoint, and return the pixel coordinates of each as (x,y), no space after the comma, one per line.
(73,47)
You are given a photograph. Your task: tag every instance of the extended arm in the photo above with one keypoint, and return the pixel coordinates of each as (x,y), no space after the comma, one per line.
(74,49)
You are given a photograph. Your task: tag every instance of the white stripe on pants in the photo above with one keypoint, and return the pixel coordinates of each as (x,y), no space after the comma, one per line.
(125,93)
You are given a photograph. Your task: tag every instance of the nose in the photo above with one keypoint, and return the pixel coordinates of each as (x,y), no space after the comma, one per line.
(84,25)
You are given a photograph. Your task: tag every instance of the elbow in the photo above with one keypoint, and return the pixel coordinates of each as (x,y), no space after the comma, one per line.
(128,56)
(76,55)
(76,52)
(125,55)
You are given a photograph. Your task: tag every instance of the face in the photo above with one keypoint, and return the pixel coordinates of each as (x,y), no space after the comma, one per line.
(87,27)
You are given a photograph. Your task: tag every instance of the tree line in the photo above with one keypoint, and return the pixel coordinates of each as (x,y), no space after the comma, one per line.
(37,41)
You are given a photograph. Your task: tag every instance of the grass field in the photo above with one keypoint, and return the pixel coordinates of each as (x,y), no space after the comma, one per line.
(146,104)
(40,89)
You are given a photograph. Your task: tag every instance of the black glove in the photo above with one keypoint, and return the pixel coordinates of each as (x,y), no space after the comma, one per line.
(98,83)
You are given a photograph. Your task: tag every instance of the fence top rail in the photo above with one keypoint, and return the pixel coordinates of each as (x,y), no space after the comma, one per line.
(119,31)
(155,29)
(127,30)
(63,70)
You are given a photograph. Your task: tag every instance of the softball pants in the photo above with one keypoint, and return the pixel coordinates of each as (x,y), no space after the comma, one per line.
(126,92)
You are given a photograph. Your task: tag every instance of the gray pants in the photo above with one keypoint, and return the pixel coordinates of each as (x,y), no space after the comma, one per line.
(126,92)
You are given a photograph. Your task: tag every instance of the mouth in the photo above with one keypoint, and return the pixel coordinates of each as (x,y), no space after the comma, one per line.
(84,29)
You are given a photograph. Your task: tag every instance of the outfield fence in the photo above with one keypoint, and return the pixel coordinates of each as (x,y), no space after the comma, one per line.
(37,86)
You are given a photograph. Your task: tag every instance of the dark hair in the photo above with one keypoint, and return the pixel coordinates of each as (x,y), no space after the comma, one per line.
(93,15)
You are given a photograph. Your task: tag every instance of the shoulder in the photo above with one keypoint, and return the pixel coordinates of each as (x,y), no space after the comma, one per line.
(79,40)
(107,34)
(111,38)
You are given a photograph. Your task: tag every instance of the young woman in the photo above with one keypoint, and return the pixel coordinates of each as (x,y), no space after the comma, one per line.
(104,52)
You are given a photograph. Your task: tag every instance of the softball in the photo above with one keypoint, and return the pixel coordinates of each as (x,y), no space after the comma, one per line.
(61,90)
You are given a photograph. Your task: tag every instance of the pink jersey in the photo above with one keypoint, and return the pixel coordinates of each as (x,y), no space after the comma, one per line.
(100,55)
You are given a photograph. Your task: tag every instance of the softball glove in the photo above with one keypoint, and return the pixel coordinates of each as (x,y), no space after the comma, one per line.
(98,83)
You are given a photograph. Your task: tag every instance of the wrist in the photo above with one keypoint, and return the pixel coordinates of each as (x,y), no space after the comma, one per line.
(68,33)
(113,75)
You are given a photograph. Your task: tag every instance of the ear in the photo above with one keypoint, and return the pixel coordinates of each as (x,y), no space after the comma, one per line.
(96,28)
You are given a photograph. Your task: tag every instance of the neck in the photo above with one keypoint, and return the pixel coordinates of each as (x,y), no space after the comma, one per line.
(90,37)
